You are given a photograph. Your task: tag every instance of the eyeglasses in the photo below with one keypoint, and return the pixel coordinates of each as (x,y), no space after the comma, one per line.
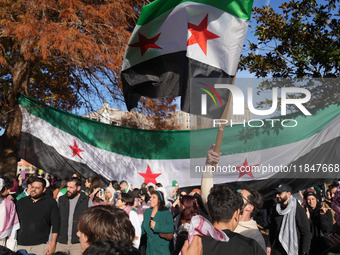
(246,199)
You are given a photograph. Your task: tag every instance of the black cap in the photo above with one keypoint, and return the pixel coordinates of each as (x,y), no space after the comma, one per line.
(283,187)
(310,192)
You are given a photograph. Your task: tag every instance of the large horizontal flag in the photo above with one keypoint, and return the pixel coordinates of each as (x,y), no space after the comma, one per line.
(176,40)
(62,143)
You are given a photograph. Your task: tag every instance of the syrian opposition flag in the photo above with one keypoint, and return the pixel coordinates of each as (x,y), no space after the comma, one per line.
(175,41)
(62,143)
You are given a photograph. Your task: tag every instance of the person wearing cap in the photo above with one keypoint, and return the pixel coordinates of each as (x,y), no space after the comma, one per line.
(289,230)
(158,225)
(320,222)
(9,222)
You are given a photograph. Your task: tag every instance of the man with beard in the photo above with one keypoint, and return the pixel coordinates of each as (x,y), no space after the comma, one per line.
(289,227)
(71,206)
(37,214)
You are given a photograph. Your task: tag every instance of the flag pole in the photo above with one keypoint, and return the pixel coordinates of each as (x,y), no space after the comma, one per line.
(221,127)
(207,178)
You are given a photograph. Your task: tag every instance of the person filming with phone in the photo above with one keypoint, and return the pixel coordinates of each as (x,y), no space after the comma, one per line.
(98,196)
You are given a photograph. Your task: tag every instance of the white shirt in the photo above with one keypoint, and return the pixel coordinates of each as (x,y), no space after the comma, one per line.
(250,229)
(137,225)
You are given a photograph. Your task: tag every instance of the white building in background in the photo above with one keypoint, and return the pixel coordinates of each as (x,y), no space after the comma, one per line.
(106,115)
(187,121)
(23,165)
(113,116)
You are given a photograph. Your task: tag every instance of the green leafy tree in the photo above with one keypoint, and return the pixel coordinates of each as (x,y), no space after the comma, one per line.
(299,40)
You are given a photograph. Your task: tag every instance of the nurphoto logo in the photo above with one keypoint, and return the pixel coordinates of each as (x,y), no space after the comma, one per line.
(238,106)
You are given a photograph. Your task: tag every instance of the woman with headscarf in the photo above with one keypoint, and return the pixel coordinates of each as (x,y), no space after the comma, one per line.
(158,225)
(320,222)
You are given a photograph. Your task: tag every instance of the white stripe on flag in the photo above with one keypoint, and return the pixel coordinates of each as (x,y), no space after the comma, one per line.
(223,52)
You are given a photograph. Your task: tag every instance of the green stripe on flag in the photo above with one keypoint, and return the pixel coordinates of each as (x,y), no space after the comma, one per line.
(138,143)
(239,139)
(239,8)
(150,144)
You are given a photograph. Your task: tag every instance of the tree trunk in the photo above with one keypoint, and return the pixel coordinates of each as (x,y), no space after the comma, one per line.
(9,145)
(10,140)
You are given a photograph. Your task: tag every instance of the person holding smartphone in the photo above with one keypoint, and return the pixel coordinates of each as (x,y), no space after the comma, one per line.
(98,196)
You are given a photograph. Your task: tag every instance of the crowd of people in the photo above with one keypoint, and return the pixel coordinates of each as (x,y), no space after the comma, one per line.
(41,216)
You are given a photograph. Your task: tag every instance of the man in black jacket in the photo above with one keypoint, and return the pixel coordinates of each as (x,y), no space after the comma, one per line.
(289,227)
(71,206)
(37,214)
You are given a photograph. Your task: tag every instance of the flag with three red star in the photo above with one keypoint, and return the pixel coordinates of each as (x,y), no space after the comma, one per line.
(175,41)
(62,143)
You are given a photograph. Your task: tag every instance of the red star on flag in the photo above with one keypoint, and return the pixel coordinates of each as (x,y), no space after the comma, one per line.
(149,176)
(75,149)
(246,169)
(144,43)
(200,34)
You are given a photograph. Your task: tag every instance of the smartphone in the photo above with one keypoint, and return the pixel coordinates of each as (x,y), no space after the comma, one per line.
(101,193)
(23,174)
